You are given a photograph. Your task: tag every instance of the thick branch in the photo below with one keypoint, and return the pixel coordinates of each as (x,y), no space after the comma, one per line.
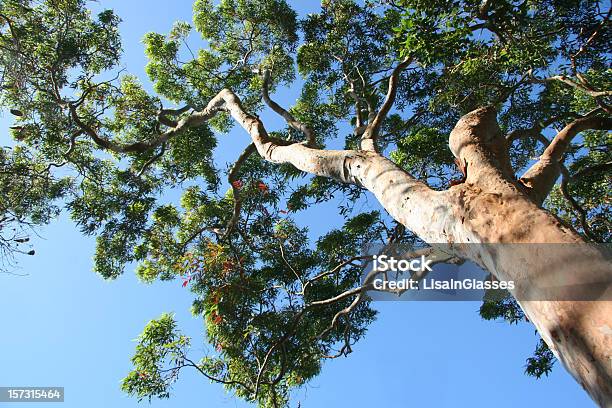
(406,199)
(567,178)
(479,146)
(193,120)
(541,177)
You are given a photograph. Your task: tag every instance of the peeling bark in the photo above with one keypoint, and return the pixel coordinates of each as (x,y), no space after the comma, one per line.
(578,332)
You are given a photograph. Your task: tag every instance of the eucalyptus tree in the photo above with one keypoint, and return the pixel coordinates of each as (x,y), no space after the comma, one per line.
(458,117)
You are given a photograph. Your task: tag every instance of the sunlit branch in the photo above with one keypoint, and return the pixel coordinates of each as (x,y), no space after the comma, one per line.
(232,178)
(369,138)
(542,175)
(289,118)
(582,86)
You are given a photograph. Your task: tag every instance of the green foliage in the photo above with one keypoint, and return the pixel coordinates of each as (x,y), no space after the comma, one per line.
(118,210)
(135,110)
(242,36)
(29,196)
(246,296)
(478,53)
(28,188)
(542,361)
(590,186)
(258,279)
(502,307)
(160,343)
(414,152)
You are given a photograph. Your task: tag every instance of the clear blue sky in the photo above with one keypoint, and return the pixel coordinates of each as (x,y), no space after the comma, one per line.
(64,326)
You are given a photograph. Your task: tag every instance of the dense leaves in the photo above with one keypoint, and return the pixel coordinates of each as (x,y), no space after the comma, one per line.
(260,300)
(278,302)
(30,197)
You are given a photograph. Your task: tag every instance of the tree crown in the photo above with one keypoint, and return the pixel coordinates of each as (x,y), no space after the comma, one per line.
(390,76)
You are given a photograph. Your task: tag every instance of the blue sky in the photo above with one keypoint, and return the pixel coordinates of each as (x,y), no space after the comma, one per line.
(64,326)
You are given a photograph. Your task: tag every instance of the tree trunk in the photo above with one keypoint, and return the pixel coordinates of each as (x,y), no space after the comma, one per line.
(578,332)
(491,206)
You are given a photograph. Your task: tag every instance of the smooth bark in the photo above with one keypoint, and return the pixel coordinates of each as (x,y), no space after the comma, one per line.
(490,206)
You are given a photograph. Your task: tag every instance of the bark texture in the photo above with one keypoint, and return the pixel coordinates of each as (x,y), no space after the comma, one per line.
(490,206)
(542,176)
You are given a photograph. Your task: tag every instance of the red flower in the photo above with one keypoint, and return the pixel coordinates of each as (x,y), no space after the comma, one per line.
(185,282)
(262,187)
(216,318)
(219,347)
(237,184)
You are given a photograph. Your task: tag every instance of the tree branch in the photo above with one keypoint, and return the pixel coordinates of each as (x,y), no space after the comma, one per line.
(368,140)
(164,120)
(575,84)
(541,176)
(537,128)
(592,169)
(232,177)
(193,120)
(211,378)
(359,126)
(291,121)
(582,213)
(391,185)
(567,178)
(152,160)
(481,149)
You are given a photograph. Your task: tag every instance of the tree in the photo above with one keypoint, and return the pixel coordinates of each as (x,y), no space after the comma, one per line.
(29,192)
(497,82)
